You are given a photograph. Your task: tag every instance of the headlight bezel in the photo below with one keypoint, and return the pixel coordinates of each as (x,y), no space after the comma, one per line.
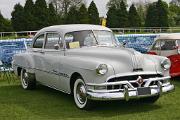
(166,64)
(101,69)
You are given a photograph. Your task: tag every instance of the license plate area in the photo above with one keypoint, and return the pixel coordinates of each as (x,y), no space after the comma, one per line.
(144,91)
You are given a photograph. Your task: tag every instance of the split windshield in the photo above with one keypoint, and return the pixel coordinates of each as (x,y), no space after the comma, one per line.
(89,38)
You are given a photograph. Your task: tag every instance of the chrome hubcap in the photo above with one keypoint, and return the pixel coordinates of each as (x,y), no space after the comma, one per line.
(24,78)
(81,93)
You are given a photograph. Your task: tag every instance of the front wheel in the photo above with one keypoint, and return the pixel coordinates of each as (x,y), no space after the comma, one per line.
(80,97)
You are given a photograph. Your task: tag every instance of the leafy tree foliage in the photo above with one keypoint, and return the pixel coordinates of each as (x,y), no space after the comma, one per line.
(115,3)
(72,16)
(5,24)
(141,10)
(52,16)
(122,15)
(134,19)
(112,18)
(93,14)
(18,22)
(157,15)
(83,14)
(174,14)
(175,2)
(162,8)
(63,6)
(117,15)
(29,19)
(41,14)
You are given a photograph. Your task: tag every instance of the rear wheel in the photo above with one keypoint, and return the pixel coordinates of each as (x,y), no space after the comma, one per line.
(80,97)
(28,81)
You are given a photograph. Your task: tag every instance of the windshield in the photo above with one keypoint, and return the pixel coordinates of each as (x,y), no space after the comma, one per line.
(89,38)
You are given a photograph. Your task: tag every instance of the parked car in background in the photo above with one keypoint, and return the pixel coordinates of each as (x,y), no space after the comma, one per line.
(168,46)
(87,62)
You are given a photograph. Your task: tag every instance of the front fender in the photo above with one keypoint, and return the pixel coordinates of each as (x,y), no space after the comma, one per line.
(157,61)
(87,68)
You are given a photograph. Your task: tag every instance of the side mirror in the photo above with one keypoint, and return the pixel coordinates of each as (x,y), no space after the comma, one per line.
(56,46)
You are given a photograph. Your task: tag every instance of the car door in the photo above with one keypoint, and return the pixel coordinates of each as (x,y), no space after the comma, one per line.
(37,54)
(52,58)
(168,48)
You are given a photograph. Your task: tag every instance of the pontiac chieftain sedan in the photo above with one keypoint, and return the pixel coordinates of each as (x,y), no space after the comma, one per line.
(86,61)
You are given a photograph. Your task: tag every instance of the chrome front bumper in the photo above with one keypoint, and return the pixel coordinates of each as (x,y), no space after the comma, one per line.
(128,91)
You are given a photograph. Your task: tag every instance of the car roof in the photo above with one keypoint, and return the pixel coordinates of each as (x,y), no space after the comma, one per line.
(169,37)
(63,29)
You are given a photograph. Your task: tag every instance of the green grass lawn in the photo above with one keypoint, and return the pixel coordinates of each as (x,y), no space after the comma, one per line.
(47,104)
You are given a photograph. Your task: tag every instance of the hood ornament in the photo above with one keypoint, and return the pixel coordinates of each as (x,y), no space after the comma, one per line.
(139,80)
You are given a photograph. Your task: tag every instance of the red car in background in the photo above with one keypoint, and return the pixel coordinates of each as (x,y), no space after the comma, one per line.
(169,46)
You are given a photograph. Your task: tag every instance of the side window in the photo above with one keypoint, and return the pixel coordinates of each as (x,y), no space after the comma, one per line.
(168,45)
(157,46)
(53,41)
(69,38)
(39,42)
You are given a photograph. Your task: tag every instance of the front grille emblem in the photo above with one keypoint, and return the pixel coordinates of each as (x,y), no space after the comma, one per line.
(139,80)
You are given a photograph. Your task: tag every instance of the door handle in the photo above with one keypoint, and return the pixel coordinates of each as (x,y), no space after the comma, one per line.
(41,52)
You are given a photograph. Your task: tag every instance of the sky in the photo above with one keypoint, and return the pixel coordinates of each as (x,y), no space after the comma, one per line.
(6,6)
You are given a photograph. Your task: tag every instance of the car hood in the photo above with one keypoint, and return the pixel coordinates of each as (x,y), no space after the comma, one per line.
(121,59)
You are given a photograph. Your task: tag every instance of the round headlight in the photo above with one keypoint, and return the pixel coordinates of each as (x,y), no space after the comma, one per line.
(166,64)
(102,69)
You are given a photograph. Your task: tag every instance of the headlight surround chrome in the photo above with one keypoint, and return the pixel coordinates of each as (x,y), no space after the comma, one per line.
(166,64)
(102,69)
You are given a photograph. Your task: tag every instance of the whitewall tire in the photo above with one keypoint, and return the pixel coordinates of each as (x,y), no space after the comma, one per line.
(28,81)
(80,98)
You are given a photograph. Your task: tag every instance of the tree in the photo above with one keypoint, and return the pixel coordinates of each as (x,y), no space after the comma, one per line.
(29,16)
(93,14)
(122,15)
(134,19)
(116,3)
(83,15)
(174,15)
(41,14)
(112,19)
(1,23)
(72,16)
(175,2)
(63,6)
(157,15)
(18,18)
(141,10)
(52,16)
(162,8)
(5,24)
(152,16)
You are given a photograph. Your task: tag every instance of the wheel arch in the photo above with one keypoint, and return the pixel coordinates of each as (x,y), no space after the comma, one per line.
(73,78)
(19,71)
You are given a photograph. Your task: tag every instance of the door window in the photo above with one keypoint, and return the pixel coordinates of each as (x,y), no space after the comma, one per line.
(39,42)
(168,44)
(53,41)
(156,46)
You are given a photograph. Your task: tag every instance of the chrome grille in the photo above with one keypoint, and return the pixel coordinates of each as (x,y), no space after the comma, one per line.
(133,77)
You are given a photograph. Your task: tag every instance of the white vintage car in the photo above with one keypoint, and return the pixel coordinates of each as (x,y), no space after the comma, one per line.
(86,61)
